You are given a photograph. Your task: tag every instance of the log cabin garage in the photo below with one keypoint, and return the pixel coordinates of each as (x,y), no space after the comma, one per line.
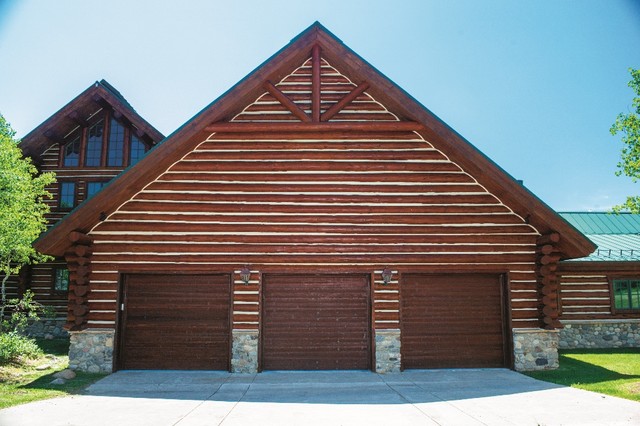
(315,216)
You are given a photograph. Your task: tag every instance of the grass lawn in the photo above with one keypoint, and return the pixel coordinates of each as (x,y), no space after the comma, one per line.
(610,371)
(30,381)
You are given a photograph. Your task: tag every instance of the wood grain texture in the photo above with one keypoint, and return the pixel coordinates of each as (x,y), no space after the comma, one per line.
(452,321)
(315,322)
(175,322)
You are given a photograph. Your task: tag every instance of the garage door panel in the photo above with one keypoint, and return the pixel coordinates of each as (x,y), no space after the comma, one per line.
(316,322)
(452,320)
(175,322)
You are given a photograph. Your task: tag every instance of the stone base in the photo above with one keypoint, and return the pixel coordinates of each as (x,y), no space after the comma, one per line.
(387,351)
(535,349)
(48,328)
(91,351)
(244,351)
(600,334)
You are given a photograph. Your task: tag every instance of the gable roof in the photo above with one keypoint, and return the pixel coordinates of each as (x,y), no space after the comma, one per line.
(99,95)
(616,235)
(232,102)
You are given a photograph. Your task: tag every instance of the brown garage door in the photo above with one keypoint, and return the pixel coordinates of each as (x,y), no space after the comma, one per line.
(176,322)
(315,322)
(452,321)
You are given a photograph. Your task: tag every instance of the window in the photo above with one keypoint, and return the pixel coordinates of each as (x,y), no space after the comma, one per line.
(67,195)
(107,142)
(93,155)
(626,294)
(71,156)
(137,151)
(61,279)
(93,187)
(115,155)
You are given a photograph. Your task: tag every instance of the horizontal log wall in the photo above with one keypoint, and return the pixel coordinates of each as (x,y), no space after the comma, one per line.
(314,202)
(198,217)
(585,296)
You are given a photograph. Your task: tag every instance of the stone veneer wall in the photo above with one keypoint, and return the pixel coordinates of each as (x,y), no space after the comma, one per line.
(600,334)
(535,349)
(387,351)
(244,351)
(91,351)
(48,328)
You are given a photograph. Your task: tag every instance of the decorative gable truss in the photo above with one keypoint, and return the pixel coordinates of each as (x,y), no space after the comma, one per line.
(315,97)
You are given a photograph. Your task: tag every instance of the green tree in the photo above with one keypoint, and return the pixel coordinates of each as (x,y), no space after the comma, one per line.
(629,125)
(22,207)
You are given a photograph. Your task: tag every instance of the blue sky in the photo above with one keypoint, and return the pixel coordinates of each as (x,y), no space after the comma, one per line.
(534,85)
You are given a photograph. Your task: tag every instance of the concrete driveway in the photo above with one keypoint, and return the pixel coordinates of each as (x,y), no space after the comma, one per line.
(419,397)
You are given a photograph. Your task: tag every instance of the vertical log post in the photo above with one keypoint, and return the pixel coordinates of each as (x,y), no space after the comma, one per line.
(547,258)
(78,259)
(315,84)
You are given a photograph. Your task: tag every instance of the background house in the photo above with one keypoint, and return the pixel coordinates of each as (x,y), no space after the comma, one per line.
(600,293)
(86,143)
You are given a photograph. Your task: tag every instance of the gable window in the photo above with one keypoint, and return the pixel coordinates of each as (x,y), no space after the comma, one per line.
(93,187)
(626,294)
(61,279)
(137,151)
(93,154)
(107,142)
(67,195)
(115,154)
(71,153)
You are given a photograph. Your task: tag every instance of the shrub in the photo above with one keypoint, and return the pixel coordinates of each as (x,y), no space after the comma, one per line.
(15,347)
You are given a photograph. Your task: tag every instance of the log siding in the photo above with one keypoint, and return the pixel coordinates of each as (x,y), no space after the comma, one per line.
(314,202)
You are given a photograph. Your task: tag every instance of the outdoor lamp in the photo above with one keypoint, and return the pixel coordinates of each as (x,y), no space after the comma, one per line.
(245,274)
(387,274)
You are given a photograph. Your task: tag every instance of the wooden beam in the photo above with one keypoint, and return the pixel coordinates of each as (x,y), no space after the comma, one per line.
(77,118)
(288,103)
(78,237)
(357,126)
(346,100)
(315,83)
(551,238)
(53,136)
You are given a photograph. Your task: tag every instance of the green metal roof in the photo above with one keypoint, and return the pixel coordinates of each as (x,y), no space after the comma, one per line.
(604,223)
(616,235)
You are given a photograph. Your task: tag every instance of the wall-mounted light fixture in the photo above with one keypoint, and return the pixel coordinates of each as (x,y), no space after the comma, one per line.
(245,274)
(387,274)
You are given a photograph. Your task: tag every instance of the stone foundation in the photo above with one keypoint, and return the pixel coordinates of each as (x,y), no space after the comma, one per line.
(387,351)
(48,328)
(91,351)
(535,349)
(244,351)
(600,334)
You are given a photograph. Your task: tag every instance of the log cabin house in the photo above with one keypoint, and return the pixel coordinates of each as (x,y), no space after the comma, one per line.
(86,143)
(314,216)
(600,293)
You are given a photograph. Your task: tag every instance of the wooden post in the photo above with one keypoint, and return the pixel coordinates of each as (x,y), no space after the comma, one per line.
(548,257)
(78,259)
(315,84)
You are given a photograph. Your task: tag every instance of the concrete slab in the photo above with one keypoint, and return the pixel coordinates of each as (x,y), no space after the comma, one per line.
(428,397)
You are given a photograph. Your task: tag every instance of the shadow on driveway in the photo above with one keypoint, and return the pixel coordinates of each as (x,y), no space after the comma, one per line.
(416,397)
(319,387)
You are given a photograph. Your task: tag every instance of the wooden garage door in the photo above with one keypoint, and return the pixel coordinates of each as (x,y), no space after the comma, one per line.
(175,322)
(452,321)
(315,322)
